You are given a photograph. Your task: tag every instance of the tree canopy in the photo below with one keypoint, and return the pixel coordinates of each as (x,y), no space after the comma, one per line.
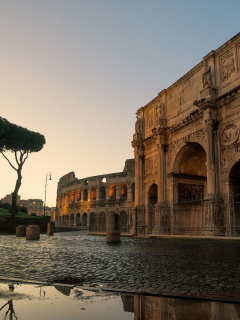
(15,138)
(21,142)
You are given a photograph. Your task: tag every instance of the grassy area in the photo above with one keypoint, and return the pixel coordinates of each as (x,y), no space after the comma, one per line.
(6,213)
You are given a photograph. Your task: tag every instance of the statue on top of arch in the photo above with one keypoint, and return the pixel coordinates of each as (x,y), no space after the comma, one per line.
(207,76)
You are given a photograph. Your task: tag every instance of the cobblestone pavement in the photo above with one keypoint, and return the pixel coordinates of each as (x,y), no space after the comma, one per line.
(178,267)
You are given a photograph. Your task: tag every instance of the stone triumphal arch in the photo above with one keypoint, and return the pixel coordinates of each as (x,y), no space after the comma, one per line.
(185,175)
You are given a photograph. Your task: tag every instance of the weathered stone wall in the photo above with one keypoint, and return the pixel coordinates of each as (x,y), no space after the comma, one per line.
(187,149)
(89,200)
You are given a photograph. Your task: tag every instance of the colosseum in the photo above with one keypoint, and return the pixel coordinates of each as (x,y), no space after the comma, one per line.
(186,144)
(87,201)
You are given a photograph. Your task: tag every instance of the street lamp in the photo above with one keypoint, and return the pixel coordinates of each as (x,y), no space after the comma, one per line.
(48,177)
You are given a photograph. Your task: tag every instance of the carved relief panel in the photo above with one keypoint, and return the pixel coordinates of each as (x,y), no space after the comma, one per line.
(190,192)
(151,167)
(150,119)
(227,65)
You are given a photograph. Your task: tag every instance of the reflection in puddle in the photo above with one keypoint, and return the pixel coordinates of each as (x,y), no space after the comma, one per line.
(23,302)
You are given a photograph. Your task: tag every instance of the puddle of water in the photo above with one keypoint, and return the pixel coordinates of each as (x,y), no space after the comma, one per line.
(25,302)
(60,303)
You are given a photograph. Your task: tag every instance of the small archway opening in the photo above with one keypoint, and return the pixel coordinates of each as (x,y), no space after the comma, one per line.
(78,222)
(71,219)
(112,191)
(92,222)
(84,219)
(153,194)
(124,221)
(123,191)
(93,194)
(85,195)
(102,193)
(133,192)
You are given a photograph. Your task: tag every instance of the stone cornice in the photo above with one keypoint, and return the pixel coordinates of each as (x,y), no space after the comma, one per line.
(228,97)
(193,116)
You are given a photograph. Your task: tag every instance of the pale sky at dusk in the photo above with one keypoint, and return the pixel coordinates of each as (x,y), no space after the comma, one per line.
(77,71)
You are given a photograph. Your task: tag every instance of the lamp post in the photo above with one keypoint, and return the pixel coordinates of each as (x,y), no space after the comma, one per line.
(48,177)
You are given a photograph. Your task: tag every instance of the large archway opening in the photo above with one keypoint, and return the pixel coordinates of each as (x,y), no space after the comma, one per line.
(234,188)
(189,189)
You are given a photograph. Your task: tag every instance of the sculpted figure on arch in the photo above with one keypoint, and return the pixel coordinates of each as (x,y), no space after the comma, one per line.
(207,76)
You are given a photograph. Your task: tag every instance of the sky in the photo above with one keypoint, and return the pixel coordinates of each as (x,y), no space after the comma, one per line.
(77,71)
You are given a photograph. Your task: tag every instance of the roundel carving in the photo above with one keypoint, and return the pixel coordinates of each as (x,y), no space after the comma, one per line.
(230,134)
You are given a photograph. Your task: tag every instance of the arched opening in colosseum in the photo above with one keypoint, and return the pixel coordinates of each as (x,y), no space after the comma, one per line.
(112,191)
(78,221)
(78,195)
(152,201)
(102,222)
(72,197)
(84,219)
(123,191)
(85,195)
(133,191)
(124,221)
(189,188)
(234,188)
(93,193)
(71,219)
(92,222)
(102,193)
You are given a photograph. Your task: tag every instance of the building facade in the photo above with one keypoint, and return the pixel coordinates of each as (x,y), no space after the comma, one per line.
(87,201)
(34,206)
(187,151)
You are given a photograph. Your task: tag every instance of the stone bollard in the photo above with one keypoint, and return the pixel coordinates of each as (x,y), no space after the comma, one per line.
(33,232)
(113,228)
(50,228)
(21,231)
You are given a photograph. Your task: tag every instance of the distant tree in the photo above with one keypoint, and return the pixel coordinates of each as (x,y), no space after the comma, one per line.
(6,205)
(23,209)
(20,141)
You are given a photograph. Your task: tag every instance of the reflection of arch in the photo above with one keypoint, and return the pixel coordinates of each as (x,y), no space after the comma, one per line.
(102,193)
(84,219)
(123,191)
(78,222)
(93,193)
(112,191)
(85,195)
